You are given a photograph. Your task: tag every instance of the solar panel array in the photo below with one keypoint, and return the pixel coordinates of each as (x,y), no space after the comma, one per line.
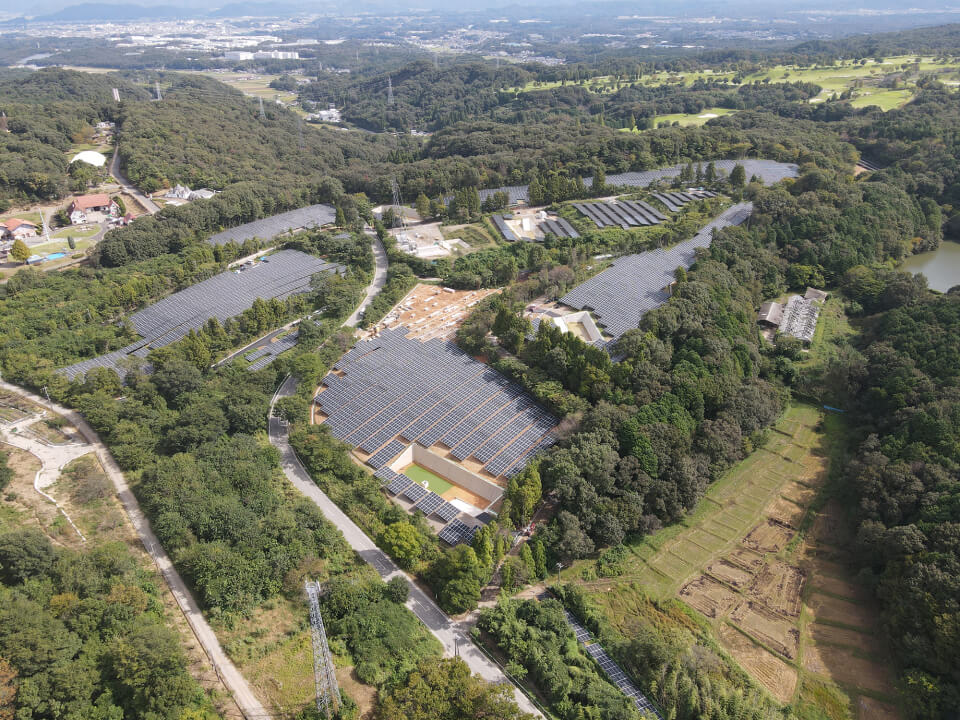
(263,356)
(223,296)
(630,213)
(456,532)
(269,228)
(501,225)
(559,227)
(770,171)
(613,671)
(431,392)
(635,284)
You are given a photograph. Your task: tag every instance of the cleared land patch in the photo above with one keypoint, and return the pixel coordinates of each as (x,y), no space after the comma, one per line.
(708,596)
(778,677)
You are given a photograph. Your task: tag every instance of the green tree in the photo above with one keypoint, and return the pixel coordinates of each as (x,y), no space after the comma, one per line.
(19,252)
(738,176)
(423,206)
(71,243)
(444,689)
(402,542)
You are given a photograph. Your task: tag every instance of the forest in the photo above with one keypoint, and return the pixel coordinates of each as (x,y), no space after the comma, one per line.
(693,389)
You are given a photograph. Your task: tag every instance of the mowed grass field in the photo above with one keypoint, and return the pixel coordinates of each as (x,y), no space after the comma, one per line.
(833,80)
(421,475)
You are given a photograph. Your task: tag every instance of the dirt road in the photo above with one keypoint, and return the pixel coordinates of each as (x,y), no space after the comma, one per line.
(249,705)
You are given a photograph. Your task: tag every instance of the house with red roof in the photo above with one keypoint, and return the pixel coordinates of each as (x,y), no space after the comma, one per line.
(15,228)
(92,208)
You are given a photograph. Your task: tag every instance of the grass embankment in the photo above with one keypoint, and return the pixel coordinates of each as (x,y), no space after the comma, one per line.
(763,562)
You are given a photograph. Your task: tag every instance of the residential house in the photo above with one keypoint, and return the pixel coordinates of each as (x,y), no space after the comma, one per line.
(15,228)
(92,208)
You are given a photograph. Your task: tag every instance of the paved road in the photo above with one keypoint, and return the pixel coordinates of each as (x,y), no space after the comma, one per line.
(452,635)
(231,677)
(149,205)
(376,285)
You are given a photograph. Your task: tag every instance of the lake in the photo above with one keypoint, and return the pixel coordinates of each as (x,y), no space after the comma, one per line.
(941,266)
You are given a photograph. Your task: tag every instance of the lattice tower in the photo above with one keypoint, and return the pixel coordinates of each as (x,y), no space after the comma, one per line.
(324,676)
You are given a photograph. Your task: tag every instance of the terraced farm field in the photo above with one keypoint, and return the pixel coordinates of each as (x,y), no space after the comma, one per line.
(762,559)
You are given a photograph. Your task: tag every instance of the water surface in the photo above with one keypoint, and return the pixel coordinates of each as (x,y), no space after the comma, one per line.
(941,266)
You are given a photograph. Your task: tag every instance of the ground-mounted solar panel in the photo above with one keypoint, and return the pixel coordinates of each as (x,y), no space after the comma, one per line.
(385,474)
(268,228)
(398,484)
(430,503)
(447,511)
(415,492)
(454,532)
(386,454)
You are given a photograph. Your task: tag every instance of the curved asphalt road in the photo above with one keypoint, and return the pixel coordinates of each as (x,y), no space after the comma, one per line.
(226,670)
(149,205)
(452,635)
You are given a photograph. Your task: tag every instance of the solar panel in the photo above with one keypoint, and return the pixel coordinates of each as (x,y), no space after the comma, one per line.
(269,227)
(221,297)
(385,474)
(635,284)
(415,492)
(447,511)
(398,484)
(386,454)
(430,503)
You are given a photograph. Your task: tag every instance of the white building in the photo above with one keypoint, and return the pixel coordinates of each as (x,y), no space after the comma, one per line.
(276,55)
(238,55)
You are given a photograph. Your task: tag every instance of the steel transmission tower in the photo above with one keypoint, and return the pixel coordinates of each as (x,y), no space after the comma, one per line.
(389,91)
(263,115)
(156,86)
(324,677)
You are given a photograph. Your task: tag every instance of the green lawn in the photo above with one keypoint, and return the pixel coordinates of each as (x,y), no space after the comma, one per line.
(421,475)
(75,233)
(700,118)
(833,80)
(884,99)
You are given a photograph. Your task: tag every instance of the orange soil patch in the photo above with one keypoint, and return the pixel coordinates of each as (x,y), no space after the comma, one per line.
(779,678)
(830,634)
(459,493)
(798,492)
(364,695)
(870,709)
(429,311)
(708,596)
(778,587)
(746,559)
(768,537)
(769,628)
(782,510)
(730,574)
(824,607)
(844,667)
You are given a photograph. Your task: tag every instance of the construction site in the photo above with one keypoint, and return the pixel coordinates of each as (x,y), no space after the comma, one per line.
(431,312)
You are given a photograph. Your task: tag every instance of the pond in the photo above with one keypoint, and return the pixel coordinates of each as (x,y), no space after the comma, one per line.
(941,266)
